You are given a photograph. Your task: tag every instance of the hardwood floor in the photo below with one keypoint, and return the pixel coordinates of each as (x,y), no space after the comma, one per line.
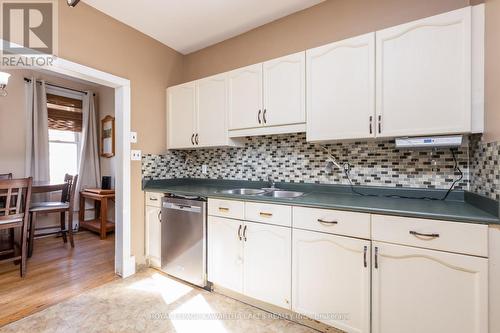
(55,272)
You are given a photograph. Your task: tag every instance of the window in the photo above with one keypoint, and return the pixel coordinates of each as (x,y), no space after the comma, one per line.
(65,126)
(63,154)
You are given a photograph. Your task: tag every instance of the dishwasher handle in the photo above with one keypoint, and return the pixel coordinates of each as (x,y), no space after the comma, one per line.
(184,208)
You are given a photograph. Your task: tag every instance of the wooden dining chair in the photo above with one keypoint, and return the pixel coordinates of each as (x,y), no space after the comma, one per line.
(9,232)
(64,207)
(15,214)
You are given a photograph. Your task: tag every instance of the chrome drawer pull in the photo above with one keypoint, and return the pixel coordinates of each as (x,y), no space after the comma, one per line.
(223,209)
(153,199)
(266,214)
(365,250)
(327,222)
(414,233)
(239,232)
(245,233)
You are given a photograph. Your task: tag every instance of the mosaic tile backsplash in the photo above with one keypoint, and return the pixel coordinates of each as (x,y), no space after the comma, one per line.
(290,158)
(485,168)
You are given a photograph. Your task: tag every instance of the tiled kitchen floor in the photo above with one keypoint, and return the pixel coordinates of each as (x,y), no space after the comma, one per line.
(152,302)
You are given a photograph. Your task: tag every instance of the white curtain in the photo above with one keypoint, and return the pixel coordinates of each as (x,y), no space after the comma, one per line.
(37,139)
(89,171)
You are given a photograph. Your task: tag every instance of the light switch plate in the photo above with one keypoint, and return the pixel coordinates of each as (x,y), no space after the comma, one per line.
(204,169)
(135,155)
(133,137)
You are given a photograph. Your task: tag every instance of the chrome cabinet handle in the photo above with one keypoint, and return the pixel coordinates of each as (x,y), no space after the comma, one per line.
(153,199)
(223,209)
(414,233)
(245,233)
(263,214)
(159,216)
(327,222)
(239,232)
(371,124)
(365,250)
(379,124)
(192,139)
(264,116)
(376,257)
(258,117)
(196,139)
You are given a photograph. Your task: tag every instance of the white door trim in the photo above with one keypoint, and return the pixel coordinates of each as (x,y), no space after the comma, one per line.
(124,260)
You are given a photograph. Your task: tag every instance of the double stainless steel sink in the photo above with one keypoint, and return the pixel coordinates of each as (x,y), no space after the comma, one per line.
(268,192)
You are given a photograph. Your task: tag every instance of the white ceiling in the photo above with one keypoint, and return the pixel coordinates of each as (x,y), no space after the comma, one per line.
(190,25)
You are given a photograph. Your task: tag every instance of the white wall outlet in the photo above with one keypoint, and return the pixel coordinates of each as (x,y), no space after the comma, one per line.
(133,137)
(135,155)
(204,169)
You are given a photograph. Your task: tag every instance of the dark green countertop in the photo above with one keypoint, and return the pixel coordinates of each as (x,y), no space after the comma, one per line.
(455,208)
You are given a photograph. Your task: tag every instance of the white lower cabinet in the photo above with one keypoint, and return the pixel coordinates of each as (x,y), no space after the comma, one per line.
(417,290)
(331,279)
(267,263)
(225,253)
(153,236)
(390,284)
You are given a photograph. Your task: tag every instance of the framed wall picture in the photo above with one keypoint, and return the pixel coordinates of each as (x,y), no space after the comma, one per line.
(108,136)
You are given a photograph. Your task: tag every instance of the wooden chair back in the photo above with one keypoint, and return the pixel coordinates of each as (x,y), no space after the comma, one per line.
(16,196)
(5,176)
(68,179)
(68,193)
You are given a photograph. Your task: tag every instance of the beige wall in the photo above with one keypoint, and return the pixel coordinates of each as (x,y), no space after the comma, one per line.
(89,37)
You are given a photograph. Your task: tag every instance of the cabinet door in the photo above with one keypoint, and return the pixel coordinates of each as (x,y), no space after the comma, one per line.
(424,76)
(284,90)
(225,253)
(341,90)
(211,120)
(153,236)
(267,263)
(181,115)
(417,290)
(245,97)
(331,277)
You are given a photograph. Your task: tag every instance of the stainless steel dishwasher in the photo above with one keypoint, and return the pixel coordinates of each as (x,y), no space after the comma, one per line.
(184,238)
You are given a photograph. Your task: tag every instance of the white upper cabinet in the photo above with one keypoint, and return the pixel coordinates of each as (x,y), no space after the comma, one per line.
(197,114)
(341,90)
(268,98)
(245,97)
(212,116)
(420,78)
(423,76)
(417,290)
(284,91)
(181,102)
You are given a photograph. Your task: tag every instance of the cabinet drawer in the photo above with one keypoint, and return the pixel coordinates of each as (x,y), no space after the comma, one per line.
(332,221)
(153,199)
(268,213)
(456,237)
(226,208)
